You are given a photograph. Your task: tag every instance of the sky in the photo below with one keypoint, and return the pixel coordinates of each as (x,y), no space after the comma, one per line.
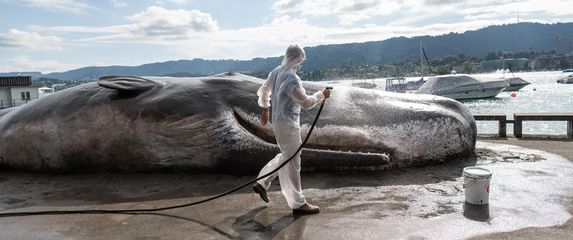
(60,35)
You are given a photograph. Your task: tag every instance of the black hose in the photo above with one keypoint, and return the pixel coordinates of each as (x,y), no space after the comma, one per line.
(135,211)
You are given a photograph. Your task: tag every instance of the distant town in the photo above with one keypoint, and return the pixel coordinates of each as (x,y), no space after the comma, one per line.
(517,62)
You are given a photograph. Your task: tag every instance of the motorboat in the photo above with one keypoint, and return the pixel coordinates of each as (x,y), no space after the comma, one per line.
(396,84)
(363,83)
(401,85)
(515,83)
(461,86)
(566,79)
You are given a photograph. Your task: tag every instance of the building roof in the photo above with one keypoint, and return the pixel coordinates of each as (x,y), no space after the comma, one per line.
(15,81)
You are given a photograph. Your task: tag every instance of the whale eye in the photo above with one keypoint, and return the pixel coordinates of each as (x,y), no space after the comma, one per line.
(127,83)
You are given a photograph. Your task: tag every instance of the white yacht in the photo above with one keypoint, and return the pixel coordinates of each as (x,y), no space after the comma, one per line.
(462,86)
(515,83)
(566,79)
(402,85)
(363,83)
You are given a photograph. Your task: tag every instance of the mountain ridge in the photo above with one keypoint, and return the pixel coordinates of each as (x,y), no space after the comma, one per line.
(519,37)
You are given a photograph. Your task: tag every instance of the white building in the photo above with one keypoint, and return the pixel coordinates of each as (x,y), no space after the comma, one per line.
(17,90)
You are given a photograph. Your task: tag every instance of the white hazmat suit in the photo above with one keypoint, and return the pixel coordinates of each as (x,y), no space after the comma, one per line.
(283,88)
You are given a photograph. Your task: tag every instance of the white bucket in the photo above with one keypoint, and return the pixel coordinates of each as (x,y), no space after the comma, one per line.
(476,185)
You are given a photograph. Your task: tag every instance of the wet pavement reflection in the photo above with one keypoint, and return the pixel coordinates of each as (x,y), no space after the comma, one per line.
(249,228)
(477,212)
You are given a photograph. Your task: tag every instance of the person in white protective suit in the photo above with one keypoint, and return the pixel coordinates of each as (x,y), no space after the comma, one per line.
(283,88)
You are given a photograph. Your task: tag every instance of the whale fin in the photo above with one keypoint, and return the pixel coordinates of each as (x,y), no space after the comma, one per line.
(126,83)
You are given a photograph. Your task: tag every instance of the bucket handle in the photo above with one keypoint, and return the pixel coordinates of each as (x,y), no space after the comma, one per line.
(469,184)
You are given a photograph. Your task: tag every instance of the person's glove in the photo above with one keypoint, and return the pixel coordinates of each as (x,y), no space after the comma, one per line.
(326,93)
(265,116)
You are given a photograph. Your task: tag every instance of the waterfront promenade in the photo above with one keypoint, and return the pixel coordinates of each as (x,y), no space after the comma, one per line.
(409,203)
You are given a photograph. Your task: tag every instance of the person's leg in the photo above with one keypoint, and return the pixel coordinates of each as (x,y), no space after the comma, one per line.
(271,165)
(264,184)
(288,139)
(284,132)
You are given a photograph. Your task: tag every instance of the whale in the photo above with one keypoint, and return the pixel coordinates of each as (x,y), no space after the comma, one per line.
(129,124)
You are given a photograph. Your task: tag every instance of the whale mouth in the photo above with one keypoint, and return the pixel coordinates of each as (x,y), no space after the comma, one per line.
(327,138)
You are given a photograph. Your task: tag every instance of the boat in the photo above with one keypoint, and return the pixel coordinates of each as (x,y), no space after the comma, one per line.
(396,84)
(462,86)
(515,83)
(401,85)
(566,79)
(364,84)
(568,70)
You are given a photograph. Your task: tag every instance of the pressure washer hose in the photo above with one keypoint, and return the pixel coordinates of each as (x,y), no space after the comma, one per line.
(144,210)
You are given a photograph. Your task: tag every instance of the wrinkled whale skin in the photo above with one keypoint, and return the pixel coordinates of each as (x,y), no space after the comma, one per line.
(210,124)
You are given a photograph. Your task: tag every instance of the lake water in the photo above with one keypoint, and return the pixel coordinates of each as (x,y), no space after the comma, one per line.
(542,95)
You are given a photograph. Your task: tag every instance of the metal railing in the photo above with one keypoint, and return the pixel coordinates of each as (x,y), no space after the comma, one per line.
(519,118)
(8,103)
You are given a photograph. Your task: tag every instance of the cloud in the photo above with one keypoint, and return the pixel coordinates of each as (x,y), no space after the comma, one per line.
(81,29)
(348,12)
(356,6)
(25,63)
(158,21)
(154,25)
(287,4)
(354,12)
(442,2)
(535,7)
(180,2)
(192,33)
(119,3)
(15,38)
(71,6)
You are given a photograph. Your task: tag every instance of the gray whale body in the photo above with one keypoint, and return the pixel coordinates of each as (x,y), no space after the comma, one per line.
(211,124)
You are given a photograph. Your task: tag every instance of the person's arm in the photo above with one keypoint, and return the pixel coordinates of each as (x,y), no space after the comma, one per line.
(264,101)
(298,94)
(264,93)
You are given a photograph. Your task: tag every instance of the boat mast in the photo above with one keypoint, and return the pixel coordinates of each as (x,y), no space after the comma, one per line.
(421,61)
(423,56)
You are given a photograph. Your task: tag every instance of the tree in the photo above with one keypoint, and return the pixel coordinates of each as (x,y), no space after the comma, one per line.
(563,63)
(490,56)
(467,66)
(444,69)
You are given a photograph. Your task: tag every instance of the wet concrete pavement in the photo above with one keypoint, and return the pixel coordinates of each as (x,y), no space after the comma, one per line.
(531,198)
(563,147)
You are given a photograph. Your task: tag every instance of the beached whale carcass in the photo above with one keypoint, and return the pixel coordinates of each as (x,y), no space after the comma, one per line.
(148,124)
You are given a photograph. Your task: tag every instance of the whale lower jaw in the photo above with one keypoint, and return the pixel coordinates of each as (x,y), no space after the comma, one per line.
(319,157)
(328,160)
